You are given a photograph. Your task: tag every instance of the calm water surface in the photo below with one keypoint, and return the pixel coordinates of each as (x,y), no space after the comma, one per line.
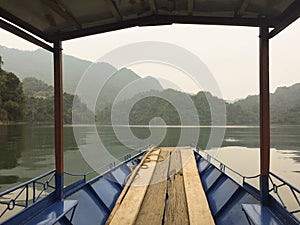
(27,151)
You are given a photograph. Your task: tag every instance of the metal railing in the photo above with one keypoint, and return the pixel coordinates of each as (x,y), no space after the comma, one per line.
(23,195)
(103,168)
(280,189)
(222,167)
(108,166)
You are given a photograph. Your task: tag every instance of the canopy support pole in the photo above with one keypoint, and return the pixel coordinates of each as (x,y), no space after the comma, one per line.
(58,121)
(264,114)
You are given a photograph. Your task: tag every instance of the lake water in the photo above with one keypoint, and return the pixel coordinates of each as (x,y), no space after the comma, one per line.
(27,151)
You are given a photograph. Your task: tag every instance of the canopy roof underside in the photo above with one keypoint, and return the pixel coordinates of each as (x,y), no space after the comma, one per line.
(66,19)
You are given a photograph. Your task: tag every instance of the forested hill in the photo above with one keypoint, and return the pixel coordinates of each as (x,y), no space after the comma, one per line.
(24,64)
(39,104)
(285,108)
(32,101)
(12,99)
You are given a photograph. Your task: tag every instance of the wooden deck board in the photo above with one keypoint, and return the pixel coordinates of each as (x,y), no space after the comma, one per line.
(176,209)
(172,174)
(130,206)
(153,206)
(199,212)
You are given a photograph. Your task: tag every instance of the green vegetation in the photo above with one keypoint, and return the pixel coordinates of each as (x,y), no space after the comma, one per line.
(158,104)
(40,104)
(35,88)
(11,97)
(33,101)
(285,108)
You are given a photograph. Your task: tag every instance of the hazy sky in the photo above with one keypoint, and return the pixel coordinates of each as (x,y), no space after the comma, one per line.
(230,53)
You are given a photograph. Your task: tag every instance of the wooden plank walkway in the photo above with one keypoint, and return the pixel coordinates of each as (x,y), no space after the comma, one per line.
(176,209)
(164,189)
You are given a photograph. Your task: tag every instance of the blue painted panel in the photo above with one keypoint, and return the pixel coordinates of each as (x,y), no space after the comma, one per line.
(209,177)
(88,211)
(107,190)
(202,165)
(24,215)
(221,193)
(120,174)
(53,213)
(260,215)
(233,214)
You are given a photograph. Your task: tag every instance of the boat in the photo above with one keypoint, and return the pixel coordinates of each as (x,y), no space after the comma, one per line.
(48,23)
(92,202)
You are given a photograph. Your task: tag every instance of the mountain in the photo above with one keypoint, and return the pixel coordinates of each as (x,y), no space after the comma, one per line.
(39,104)
(103,88)
(39,64)
(97,84)
(284,107)
(175,108)
(35,88)
(80,77)
(244,111)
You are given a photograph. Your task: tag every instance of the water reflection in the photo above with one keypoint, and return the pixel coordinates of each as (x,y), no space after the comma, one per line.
(283,138)
(28,150)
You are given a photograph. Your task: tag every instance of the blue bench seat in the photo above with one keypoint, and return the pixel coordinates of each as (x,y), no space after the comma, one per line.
(260,215)
(54,213)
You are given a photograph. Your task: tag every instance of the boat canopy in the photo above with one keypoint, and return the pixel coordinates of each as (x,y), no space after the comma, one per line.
(52,21)
(68,19)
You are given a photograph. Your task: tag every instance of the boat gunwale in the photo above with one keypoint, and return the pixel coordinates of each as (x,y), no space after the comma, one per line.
(76,186)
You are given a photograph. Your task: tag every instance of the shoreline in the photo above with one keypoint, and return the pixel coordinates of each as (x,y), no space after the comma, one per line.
(12,123)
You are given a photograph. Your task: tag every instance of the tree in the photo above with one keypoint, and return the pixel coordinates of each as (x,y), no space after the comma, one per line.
(1,63)
(12,97)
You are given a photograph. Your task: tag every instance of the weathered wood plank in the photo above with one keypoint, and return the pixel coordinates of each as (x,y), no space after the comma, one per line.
(128,210)
(198,209)
(176,209)
(153,206)
(127,185)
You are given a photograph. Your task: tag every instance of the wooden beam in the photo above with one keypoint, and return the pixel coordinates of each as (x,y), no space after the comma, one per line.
(291,14)
(159,20)
(152,5)
(264,103)
(153,207)
(242,8)
(61,10)
(114,9)
(129,209)
(16,22)
(198,208)
(176,212)
(128,184)
(190,7)
(17,31)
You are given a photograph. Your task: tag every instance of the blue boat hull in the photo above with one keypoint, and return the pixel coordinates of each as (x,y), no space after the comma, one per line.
(97,197)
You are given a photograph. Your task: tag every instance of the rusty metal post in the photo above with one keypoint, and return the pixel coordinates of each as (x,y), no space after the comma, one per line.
(264,114)
(58,121)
